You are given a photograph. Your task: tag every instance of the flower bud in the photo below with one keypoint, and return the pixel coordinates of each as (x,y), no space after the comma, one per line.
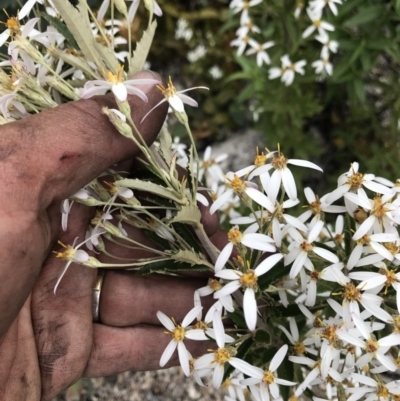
(118,120)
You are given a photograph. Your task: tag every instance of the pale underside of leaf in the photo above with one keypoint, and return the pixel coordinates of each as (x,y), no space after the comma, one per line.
(187,214)
(190,257)
(80,30)
(142,49)
(152,188)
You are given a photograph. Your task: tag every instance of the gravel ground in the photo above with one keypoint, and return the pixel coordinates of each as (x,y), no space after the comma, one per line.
(159,385)
(168,384)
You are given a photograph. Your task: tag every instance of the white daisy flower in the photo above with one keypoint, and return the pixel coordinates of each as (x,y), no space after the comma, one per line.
(179,332)
(288,70)
(175,98)
(298,347)
(303,246)
(372,347)
(330,45)
(118,85)
(217,360)
(256,48)
(260,242)
(247,280)
(319,5)
(282,175)
(318,206)
(323,65)
(322,26)
(380,390)
(267,380)
(353,181)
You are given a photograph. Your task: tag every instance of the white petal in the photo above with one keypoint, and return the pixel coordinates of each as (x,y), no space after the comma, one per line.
(250,309)
(184,358)
(260,199)
(120,91)
(298,264)
(364,228)
(191,315)
(196,334)
(274,185)
(166,356)
(176,103)
(354,256)
(304,163)
(188,100)
(227,289)
(386,361)
(343,335)
(361,326)
(324,253)
(375,187)
(246,368)
(267,264)
(218,375)
(223,257)
(220,201)
(390,340)
(165,321)
(278,358)
(289,184)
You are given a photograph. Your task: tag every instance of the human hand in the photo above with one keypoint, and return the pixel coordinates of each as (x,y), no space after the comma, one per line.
(47,342)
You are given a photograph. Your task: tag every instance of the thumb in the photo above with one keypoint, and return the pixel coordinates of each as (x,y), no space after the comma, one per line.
(62,149)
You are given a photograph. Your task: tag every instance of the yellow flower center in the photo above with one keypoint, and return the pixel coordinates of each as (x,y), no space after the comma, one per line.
(235,236)
(339,238)
(13,25)
(226,383)
(315,206)
(391,247)
(379,209)
(299,348)
(268,378)
(317,23)
(260,160)
(382,391)
(351,293)
(372,346)
(236,184)
(221,356)
(329,333)
(116,78)
(314,275)
(178,334)
(355,181)
(306,246)
(390,277)
(169,90)
(67,254)
(214,284)
(248,279)
(279,162)
(200,325)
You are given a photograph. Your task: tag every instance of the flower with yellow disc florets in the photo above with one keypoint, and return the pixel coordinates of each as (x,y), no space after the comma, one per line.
(247,281)
(267,380)
(260,242)
(179,332)
(175,98)
(117,83)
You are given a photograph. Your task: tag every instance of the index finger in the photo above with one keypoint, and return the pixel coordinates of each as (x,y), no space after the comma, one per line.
(60,150)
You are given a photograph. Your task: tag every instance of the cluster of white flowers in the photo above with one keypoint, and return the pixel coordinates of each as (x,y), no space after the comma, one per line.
(341,279)
(287,70)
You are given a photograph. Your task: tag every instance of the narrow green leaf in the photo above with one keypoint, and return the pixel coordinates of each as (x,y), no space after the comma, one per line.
(363,15)
(164,244)
(262,337)
(142,49)
(61,28)
(186,234)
